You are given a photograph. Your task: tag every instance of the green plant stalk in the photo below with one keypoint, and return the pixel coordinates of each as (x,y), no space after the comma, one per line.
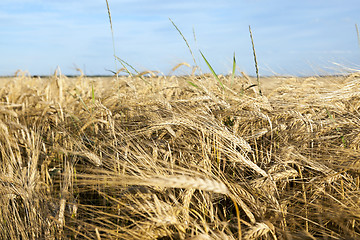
(194,35)
(192,84)
(93,93)
(187,44)
(233,70)
(112,35)
(123,63)
(80,99)
(212,71)
(256,64)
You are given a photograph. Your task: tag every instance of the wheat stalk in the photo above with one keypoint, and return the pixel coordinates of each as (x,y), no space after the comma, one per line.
(255,60)
(187,182)
(256,231)
(112,35)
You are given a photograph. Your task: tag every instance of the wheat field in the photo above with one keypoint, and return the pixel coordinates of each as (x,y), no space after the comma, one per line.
(179,157)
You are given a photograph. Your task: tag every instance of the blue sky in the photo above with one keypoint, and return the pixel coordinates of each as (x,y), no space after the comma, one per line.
(291,37)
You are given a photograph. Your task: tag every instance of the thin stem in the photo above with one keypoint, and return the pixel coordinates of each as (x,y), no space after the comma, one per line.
(112,35)
(256,64)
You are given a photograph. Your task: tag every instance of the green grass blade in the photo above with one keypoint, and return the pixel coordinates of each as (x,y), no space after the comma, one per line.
(212,71)
(92,93)
(255,60)
(193,84)
(108,70)
(187,44)
(77,96)
(83,103)
(123,63)
(233,70)
(112,34)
